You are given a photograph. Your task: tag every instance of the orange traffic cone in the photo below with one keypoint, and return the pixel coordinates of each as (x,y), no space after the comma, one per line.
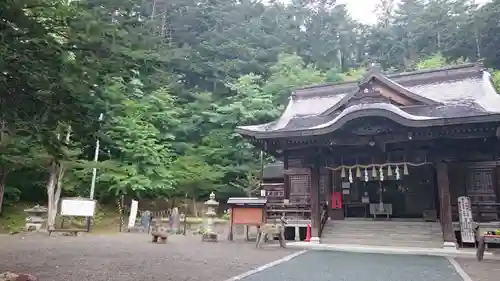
(308,233)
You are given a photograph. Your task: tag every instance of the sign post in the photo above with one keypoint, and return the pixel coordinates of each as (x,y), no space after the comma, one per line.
(133,214)
(465,217)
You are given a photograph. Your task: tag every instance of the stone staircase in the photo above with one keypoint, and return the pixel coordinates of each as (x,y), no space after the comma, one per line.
(383,233)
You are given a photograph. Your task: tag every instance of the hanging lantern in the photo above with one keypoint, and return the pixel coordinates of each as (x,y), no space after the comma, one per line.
(358,172)
(389,171)
(397,173)
(374,172)
(350,176)
(381,173)
(405,170)
(342,173)
(366,175)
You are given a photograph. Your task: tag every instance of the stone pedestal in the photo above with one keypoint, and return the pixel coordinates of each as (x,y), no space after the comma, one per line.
(449,245)
(315,240)
(34,219)
(210,235)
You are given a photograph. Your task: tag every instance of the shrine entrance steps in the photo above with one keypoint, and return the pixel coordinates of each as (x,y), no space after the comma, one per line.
(383,233)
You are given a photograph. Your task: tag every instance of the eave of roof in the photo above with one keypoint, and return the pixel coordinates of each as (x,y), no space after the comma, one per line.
(451,95)
(418,122)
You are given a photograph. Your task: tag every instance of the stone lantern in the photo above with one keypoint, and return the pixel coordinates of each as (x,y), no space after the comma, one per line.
(34,219)
(210,235)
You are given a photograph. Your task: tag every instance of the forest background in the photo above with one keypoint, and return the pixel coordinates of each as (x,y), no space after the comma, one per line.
(173,78)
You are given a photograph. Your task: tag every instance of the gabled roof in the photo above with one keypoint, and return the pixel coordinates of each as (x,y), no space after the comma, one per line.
(457,94)
(376,74)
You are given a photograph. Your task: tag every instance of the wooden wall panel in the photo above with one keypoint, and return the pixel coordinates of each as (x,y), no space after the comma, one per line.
(481,189)
(324,180)
(300,181)
(275,192)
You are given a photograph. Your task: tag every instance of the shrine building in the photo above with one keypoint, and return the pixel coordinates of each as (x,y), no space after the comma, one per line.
(388,150)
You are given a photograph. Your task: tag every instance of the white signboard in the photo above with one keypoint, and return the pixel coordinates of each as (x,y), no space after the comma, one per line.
(133,213)
(77,207)
(466,222)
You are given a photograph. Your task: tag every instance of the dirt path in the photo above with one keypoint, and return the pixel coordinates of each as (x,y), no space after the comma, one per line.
(130,257)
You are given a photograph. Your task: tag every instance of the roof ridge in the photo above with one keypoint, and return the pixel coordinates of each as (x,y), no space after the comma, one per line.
(308,90)
(432,70)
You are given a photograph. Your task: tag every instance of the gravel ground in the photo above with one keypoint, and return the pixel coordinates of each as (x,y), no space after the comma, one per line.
(330,266)
(130,257)
(486,270)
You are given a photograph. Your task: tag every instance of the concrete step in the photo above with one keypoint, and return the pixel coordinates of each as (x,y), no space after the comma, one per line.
(389,231)
(380,232)
(383,233)
(382,224)
(393,243)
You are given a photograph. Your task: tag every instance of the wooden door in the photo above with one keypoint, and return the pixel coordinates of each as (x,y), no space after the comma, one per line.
(481,188)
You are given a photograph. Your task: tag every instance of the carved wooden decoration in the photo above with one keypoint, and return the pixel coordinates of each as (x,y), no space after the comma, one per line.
(368,94)
(371,130)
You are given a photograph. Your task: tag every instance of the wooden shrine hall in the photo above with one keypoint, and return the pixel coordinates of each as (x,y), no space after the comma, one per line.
(391,147)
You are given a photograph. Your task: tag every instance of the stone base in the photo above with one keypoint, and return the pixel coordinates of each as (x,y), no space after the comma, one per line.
(315,240)
(209,237)
(32,226)
(137,229)
(449,245)
(159,237)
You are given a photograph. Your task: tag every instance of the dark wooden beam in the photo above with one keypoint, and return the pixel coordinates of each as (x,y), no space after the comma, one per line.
(286,176)
(346,138)
(443,183)
(315,206)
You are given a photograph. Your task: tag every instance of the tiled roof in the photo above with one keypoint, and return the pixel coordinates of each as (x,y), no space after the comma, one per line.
(257,201)
(273,171)
(453,92)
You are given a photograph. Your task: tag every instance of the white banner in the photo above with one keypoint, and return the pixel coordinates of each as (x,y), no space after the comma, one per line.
(466,222)
(133,213)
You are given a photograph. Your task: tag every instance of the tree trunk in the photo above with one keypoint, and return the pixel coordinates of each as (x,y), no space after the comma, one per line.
(195,208)
(51,186)
(54,187)
(3,176)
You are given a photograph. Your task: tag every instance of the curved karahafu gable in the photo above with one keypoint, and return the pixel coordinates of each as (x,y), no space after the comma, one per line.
(452,95)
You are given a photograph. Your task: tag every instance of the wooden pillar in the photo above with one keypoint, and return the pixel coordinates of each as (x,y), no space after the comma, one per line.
(443,183)
(336,214)
(315,206)
(286,185)
(329,189)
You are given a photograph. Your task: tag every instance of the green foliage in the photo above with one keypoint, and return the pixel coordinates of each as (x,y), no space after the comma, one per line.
(435,61)
(496,79)
(248,184)
(175,80)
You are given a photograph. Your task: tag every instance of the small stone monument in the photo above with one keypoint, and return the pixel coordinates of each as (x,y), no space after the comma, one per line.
(34,220)
(144,223)
(146,218)
(175,220)
(210,235)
